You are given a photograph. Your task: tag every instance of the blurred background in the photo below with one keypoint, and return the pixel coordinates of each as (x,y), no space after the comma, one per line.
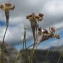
(53,16)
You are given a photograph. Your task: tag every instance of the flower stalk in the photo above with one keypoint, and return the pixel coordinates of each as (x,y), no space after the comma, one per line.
(24,40)
(59,59)
(6,7)
(34,23)
(7,23)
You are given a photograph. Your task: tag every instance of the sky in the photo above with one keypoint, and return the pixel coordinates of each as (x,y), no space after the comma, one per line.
(53,16)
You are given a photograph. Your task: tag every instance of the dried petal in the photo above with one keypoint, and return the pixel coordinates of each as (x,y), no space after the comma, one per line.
(37,17)
(39,29)
(57,36)
(0,6)
(46,31)
(28,16)
(8,4)
(41,15)
(40,18)
(12,8)
(45,37)
(51,34)
(39,32)
(53,29)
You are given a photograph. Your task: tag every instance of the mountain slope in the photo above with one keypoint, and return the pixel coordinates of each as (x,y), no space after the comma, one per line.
(38,57)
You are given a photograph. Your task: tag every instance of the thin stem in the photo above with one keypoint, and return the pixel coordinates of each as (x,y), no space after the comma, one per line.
(24,40)
(7,23)
(47,55)
(23,44)
(25,36)
(5,33)
(59,59)
(31,55)
(2,45)
(30,46)
(17,56)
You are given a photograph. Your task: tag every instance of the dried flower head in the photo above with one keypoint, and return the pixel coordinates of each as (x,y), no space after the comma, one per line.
(34,17)
(7,6)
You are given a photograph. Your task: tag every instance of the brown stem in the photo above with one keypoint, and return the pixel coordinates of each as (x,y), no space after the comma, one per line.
(5,33)
(7,23)
(2,45)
